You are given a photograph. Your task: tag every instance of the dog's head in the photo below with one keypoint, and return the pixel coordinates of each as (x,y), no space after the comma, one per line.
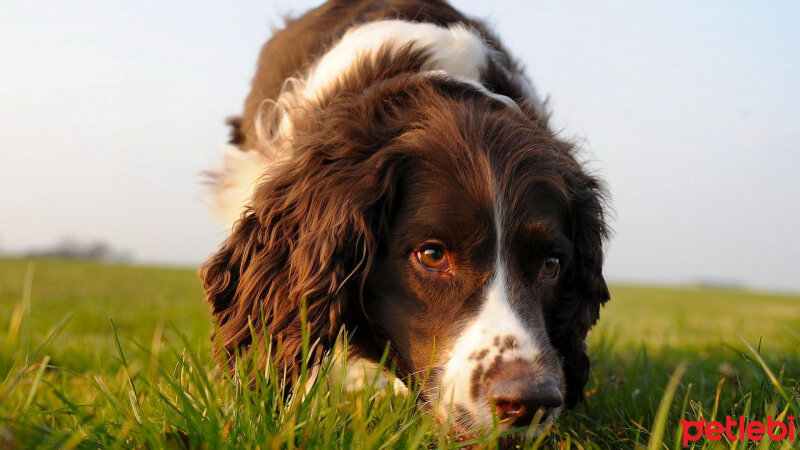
(425,214)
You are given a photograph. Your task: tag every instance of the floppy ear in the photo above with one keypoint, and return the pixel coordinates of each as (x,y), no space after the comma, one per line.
(584,289)
(304,238)
(309,233)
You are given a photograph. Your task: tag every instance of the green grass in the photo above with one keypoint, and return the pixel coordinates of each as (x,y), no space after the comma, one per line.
(71,378)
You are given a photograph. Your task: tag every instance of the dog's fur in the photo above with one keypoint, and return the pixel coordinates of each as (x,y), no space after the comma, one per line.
(375,130)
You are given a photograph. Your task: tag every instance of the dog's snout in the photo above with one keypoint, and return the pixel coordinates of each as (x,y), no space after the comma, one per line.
(518,401)
(518,394)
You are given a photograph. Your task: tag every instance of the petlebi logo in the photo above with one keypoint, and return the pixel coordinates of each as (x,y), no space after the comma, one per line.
(738,430)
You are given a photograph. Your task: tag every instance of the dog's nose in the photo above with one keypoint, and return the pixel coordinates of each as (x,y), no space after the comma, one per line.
(518,397)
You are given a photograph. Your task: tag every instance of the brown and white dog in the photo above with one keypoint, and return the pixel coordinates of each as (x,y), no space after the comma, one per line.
(395,168)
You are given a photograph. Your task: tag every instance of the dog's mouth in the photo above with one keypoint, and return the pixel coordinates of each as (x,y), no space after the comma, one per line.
(512,433)
(512,420)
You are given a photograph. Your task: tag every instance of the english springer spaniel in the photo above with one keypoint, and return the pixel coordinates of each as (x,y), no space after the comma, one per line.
(396,170)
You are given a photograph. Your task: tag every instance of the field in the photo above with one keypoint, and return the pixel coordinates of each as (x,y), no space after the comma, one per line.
(96,355)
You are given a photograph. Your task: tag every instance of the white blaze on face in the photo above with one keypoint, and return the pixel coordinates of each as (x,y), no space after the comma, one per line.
(485,339)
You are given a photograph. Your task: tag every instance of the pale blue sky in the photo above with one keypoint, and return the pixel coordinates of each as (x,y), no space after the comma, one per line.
(690,110)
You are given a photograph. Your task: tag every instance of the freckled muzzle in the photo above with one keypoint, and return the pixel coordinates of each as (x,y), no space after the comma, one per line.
(515,379)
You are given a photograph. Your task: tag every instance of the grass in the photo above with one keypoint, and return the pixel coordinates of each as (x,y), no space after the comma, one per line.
(87,360)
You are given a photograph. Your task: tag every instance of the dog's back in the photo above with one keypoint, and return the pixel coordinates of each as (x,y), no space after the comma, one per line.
(304,39)
(452,43)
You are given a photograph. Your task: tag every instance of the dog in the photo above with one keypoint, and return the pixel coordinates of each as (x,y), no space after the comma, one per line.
(394,171)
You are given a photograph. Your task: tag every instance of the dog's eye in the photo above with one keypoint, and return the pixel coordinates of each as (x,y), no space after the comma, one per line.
(434,257)
(550,268)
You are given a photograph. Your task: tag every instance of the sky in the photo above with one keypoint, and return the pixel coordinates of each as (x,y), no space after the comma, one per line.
(111,110)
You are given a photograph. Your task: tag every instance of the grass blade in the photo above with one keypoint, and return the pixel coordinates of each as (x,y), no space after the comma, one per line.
(662,414)
(36,381)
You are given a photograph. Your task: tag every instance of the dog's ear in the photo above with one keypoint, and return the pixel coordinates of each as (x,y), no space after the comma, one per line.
(584,289)
(309,234)
(306,236)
